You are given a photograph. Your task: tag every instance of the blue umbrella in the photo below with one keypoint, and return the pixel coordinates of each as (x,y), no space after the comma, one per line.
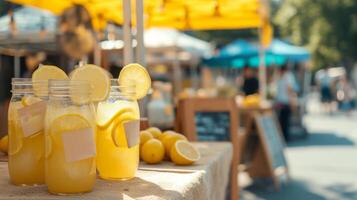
(270,59)
(240,53)
(290,52)
(239,48)
(233,55)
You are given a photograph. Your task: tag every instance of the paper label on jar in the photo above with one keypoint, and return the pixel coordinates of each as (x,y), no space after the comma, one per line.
(32,118)
(132,132)
(79,144)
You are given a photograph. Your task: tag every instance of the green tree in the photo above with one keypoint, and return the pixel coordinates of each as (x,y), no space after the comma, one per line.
(327,28)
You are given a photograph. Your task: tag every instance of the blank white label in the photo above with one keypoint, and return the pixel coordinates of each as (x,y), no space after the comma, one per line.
(78,145)
(32,118)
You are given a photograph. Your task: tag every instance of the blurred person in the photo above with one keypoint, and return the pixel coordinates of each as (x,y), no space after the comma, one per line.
(324,82)
(12,23)
(115,69)
(250,81)
(285,99)
(345,95)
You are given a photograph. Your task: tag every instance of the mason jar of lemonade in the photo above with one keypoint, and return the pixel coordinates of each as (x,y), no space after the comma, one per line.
(26,132)
(117,131)
(70,138)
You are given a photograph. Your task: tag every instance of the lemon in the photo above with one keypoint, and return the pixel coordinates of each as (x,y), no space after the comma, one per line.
(45,73)
(4,144)
(64,123)
(135,75)
(98,79)
(118,131)
(29,100)
(170,140)
(107,112)
(184,153)
(165,134)
(152,151)
(15,129)
(15,138)
(145,136)
(156,132)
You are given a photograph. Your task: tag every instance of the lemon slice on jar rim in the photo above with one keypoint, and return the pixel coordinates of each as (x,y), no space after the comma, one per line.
(135,75)
(45,73)
(98,79)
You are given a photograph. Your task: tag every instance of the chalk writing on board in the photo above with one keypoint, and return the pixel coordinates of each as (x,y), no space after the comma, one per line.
(212,126)
(273,141)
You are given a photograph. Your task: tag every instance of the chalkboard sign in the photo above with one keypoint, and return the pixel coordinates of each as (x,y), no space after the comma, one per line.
(271,135)
(211,119)
(212,126)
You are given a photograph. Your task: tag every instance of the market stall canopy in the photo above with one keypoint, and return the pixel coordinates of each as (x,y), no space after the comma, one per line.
(206,14)
(178,14)
(168,44)
(29,19)
(239,47)
(290,52)
(30,22)
(163,37)
(241,52)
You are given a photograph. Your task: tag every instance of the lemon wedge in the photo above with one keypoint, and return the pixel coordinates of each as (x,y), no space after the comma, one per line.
(67,122)
(118,131)
(98,79)
(15,139)
(184,153)
(29,100)
(135,75)
(45,73)
(107,112)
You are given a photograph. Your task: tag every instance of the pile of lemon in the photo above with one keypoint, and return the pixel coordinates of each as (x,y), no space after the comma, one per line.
(251,100)
(155,146)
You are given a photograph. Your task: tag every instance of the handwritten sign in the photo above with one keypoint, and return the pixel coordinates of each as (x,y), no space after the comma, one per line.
(212,126)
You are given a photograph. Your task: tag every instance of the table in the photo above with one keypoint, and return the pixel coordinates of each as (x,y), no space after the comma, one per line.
(206,179)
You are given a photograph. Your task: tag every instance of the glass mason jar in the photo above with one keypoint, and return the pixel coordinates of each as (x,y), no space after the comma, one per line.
(69,138)
(116,158)
(26,131)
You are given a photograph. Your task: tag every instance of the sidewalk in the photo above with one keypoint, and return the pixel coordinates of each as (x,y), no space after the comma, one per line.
(322,166)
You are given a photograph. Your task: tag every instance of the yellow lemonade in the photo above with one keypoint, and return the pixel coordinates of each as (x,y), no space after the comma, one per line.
(26,154)
(115,160)
(69,132)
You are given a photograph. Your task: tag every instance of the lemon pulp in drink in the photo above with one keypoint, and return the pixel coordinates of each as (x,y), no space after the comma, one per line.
(26,154)
(115,160)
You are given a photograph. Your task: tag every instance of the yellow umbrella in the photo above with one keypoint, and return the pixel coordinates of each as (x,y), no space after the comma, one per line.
(179,14)
(204,14)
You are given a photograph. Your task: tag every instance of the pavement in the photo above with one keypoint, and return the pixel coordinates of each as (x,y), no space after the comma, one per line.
(322,166)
